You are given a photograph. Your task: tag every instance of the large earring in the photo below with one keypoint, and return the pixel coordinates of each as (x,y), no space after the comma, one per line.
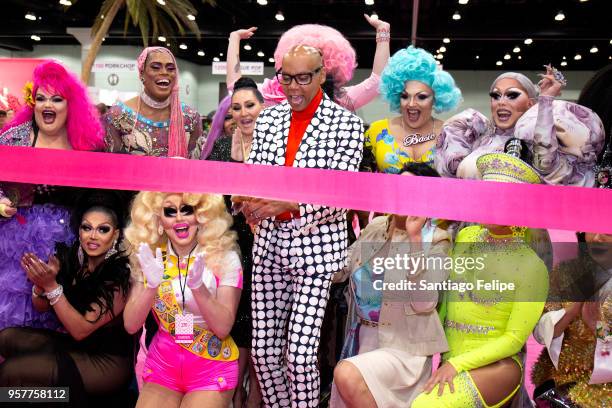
(160,230)
(81,255)
(112,251)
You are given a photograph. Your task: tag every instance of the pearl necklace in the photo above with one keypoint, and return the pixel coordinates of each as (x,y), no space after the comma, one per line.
(417,138)
(153,103)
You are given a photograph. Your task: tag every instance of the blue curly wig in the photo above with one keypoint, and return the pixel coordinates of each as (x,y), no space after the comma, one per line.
(416,64)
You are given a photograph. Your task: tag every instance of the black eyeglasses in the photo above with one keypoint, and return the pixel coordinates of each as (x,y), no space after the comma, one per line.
(300,79)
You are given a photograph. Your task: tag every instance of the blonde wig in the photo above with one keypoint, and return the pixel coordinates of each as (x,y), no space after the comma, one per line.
(214,236)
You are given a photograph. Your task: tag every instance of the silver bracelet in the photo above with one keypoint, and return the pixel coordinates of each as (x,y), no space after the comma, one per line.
(56,299)
(55,294)
(41,295)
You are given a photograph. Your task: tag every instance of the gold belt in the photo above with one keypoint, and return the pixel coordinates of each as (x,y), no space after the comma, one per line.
(369,323)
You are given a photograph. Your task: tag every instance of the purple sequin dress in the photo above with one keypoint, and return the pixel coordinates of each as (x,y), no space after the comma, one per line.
(41,222)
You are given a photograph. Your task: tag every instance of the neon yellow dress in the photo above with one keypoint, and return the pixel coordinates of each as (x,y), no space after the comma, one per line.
(390,158)
(484,324)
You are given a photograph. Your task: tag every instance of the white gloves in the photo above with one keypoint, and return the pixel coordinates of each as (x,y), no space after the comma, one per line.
(152,267)
(194,279)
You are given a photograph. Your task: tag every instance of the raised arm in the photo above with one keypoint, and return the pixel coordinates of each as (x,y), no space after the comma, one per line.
(364,92)
(233,54)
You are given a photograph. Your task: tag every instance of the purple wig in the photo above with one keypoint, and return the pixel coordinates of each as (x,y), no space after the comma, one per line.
(339,57)
(83,126)
(216,127)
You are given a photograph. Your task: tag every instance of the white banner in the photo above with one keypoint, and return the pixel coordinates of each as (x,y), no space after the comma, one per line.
(246,68)
(114,66)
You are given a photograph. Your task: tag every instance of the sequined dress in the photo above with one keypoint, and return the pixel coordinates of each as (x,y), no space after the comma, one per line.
(42,220)
(127,132)
(575,358)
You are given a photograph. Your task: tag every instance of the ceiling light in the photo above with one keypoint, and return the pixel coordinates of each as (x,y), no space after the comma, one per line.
(369,2)
(528,41)
(262,2)
(498,63)
(30,16)
(183,46)
(520,57)
(563,63)
(220,54)
(161,38)
(260,54)
(577,57)
(247,47)
(161,2)
(463,1)
(516,49)
(271,60)
(611,42)
(478,57)
(279,16)
(594,49)
(201,53)
(102,17)
(507,57)
(440,56)
(456,16)
(216,59)
(191,17)
(560,16)
(442,49)
(167,44)
(564,57)
(583,1)
(35,37)
(374,16)
(446,40)
(65,2)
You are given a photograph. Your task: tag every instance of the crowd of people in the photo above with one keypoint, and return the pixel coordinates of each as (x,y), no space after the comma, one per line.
(224,298)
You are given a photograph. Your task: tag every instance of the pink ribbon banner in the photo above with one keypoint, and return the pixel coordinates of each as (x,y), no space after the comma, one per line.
(536,206)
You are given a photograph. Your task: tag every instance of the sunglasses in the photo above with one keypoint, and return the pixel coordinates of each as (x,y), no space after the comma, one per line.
(171,212)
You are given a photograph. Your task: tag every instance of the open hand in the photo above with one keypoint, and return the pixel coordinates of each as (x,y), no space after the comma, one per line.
(244,34)
(443,375)
(152,266)
(552,82)
(194,279)
(377,23)
(41,274)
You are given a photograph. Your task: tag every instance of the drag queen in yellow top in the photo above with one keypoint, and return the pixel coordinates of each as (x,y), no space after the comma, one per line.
(487,326)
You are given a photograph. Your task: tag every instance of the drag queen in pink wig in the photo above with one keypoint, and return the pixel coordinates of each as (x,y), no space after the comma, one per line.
(155,123)
(57,115)
(339,59)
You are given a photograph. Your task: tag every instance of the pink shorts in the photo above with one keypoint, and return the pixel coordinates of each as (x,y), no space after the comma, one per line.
(173,367)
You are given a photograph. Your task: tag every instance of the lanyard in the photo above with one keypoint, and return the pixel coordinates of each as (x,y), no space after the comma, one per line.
(183,284)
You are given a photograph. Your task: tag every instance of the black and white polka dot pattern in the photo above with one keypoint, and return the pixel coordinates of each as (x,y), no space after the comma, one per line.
(293,262)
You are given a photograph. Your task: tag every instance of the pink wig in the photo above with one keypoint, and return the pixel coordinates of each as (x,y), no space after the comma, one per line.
(177,141)
(83,126)
(339,57)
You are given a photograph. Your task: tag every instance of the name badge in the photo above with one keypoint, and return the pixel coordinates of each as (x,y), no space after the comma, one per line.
(183,328)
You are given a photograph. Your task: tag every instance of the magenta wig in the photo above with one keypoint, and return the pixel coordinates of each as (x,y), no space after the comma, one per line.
(339,57)
(216,127)
(83,126)
(177,139)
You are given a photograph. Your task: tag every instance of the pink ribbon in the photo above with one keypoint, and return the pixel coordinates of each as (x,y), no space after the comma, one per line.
(537,206)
